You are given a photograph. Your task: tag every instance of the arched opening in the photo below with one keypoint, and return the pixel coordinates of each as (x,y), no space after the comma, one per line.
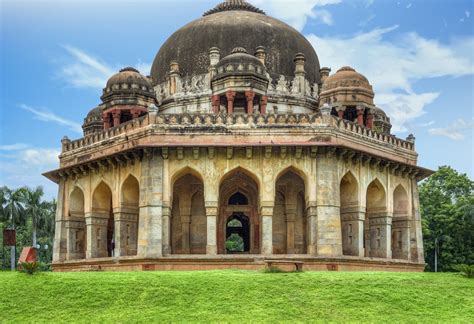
(126,222)
(289,217)
(400,224)
(238,200)
(102,227)
(352,220)
(237,234)
(76,226)
(377,223)
(188,216)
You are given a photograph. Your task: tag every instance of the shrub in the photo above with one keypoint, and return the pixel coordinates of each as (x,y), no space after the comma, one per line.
(30,267)
(465,269)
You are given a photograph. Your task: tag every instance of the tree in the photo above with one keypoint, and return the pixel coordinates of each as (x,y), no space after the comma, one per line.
(447,209)
(35,209)
(13,213)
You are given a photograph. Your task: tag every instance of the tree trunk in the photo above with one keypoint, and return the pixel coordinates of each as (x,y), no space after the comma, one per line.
(34,235)
(12,258)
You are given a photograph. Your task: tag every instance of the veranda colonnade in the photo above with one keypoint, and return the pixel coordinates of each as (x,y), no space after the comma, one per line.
(358,215)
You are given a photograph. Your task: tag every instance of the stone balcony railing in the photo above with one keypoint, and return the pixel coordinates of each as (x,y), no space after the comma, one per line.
(201,122)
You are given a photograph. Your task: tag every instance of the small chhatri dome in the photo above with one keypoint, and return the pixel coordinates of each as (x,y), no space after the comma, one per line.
(346,73)
(230,5)
(239,50)
(93,123)
(129,75)
(239,61)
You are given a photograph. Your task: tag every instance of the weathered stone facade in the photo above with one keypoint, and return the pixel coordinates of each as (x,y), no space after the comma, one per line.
(234,153)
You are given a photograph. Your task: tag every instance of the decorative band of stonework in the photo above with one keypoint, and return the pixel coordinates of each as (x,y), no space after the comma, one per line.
(200,121)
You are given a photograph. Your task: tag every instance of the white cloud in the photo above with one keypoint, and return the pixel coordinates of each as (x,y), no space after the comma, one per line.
(297,12)
(48,116)
(364,22)
(13,147)
(467,13)
(368,3)
(83,70)
(394,66)
(25,164)
(455,131)
(409,5)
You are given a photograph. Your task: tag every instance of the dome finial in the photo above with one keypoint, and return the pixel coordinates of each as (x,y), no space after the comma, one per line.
(229,5)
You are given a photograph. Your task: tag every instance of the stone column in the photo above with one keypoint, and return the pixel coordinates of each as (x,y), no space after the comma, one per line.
(230,101)
(126,231)
(401,238)
(340,111)
(216,104)
(370,119)
(60,238)
(75,231)
(106,119)
(166,230)
(249,95)
(263,105)
(380,236)
(312,228)
(360,115)
(267,227)
(416,246)
(135,113)
(185,232)
(211,216)
(329,222)
(150,231)
(352,222)
(116,115)
(96,224)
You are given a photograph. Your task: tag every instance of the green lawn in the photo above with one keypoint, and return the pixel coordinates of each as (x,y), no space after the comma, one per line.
(236,296)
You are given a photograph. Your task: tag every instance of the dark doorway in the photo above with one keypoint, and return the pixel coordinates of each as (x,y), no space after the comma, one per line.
(110,235)
(238,234)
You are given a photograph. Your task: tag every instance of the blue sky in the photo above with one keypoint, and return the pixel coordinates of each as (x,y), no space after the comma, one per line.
(56,56)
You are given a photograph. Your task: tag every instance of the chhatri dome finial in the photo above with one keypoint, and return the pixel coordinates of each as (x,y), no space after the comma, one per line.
(230,5)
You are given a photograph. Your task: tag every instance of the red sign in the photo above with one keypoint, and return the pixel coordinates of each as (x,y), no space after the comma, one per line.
(9,237)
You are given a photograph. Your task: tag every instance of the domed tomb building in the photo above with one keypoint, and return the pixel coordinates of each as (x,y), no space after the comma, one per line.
(238,149)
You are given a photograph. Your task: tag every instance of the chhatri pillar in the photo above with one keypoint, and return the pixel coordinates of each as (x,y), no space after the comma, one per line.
(249,95)
(360,115)
(216,103)
(116,116)
(263,105)
(230,101)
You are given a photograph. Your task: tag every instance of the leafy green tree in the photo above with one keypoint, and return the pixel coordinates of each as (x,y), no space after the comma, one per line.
(35,209)
(447,208)
(13,214)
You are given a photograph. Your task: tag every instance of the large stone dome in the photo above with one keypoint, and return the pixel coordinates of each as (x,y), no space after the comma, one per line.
(235,23)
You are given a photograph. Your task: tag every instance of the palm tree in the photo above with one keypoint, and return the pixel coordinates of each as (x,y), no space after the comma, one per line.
(35,209)
(13,213)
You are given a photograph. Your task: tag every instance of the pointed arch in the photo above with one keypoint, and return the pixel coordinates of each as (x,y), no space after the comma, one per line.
(188,232)
(243,171)
(377,223)
(102,197)
(130,190)
(240,182)
(103,237)
(352,221)
(76,231)
(289,217)
(296,171)
(126,222)
(400,224)
(76,202)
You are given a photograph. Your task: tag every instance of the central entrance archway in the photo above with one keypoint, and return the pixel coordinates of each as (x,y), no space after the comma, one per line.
(237,234)
(238,220)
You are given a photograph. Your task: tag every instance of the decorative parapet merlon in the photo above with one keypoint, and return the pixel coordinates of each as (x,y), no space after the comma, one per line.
(202,122)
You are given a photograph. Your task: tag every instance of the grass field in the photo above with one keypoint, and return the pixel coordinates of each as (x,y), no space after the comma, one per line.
(236,296)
